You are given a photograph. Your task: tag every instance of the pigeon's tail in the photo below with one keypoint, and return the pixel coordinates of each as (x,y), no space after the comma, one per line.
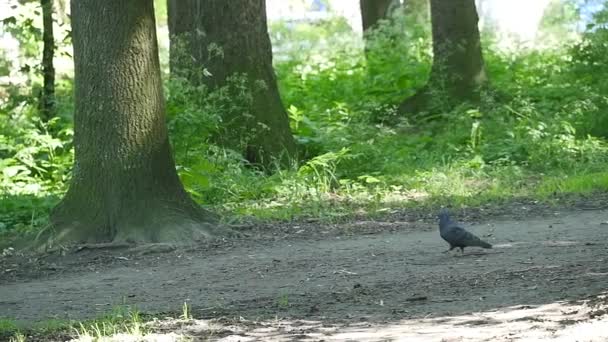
(484,244)
(474,241)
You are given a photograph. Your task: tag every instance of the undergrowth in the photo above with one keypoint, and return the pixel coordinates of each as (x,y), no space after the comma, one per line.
(120,323)
(540,130)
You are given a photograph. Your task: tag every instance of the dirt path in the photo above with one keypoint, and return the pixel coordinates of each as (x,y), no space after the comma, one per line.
(376,279)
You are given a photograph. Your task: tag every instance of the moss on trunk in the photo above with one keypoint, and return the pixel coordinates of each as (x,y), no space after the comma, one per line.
(124,186)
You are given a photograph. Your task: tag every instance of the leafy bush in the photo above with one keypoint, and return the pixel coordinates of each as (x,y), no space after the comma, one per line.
(540,128)
(34,165)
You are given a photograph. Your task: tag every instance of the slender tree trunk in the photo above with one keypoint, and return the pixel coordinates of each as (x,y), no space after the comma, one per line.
(182,37)
(458,68)
(230,38)
(373,11)
(124,186)
(47,97)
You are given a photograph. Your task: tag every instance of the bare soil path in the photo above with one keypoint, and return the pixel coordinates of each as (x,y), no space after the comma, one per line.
(371,279)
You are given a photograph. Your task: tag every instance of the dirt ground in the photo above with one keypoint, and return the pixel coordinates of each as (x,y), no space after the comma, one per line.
(363,280)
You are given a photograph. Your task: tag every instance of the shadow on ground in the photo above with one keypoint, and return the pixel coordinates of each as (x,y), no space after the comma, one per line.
(585,320)
(357,281)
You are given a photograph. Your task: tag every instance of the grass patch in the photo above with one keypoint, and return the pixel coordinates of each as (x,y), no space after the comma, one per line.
(121,320)
(538,131)
(574,184)
(8,327)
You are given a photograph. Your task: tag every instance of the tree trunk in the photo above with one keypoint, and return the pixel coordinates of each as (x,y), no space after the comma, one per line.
(373,11)
(124,186)
(47,97)
(228,38)
(458,68)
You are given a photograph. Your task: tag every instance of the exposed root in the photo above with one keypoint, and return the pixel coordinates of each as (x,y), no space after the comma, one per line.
(152,248)
(103,245)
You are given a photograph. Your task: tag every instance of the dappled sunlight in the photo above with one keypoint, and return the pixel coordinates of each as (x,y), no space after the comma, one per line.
(585,320)
(331,233)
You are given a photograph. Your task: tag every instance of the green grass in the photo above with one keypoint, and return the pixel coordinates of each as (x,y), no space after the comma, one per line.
(120,320)
(574,184)
(8,327)
(540,130)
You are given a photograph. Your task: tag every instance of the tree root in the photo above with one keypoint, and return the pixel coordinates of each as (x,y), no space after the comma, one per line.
(152,248)
(104,245)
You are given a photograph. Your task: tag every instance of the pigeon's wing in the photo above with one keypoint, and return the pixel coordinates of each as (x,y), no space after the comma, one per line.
(454,235)
(458,236)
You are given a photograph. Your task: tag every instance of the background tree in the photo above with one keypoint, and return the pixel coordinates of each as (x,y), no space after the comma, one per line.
(228,38)
(124,186)
(47,96)
(458,68)
(373,11)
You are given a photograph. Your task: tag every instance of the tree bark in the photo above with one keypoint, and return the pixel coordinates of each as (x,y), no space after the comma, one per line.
(373,11)
(458,68)
(228,38)
(47,96)
(124,186)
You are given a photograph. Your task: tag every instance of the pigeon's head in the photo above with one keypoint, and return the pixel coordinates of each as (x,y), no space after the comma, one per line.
(444,215)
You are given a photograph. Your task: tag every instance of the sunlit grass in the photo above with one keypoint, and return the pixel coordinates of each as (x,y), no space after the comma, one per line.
(8,327)
(561,319)
(578,184)
(538,132)
(122,323)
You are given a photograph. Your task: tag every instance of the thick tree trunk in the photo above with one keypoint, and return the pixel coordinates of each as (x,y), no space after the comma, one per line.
(124,186)
(47,97)
(228,38)
(458,68)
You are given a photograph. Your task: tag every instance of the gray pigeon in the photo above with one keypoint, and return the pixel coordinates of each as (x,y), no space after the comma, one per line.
(457,236)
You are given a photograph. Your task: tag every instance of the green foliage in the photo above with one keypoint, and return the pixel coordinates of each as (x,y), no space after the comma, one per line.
(558,22)
(588,62)
(8,327)
(23,23)
(283,301)
(35,157)
(121,320)
(35,161)
(196,126)
(25,26)
(540,129)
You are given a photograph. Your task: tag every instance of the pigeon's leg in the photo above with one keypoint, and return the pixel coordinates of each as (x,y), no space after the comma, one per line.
(461,250)
(451,247)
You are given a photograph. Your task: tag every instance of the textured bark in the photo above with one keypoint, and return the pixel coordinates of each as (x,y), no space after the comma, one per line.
(239,29)
(124,186)
(47,97)
(458,67)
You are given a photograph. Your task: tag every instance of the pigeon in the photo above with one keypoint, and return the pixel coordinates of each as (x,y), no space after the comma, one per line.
(457,236)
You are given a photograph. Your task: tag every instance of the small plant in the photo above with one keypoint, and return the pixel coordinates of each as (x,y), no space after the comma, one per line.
(122,320)
(186,315)
(18,337)
(283,301)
